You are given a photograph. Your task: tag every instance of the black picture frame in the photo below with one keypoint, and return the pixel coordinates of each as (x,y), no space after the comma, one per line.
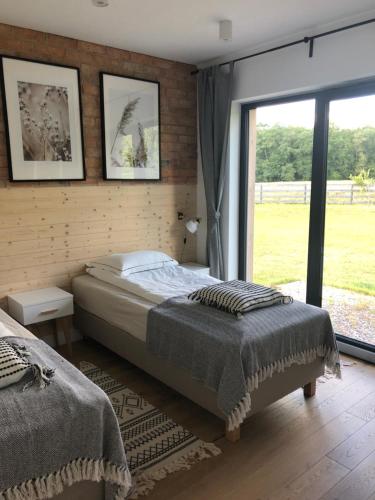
(8,133)
(104,128)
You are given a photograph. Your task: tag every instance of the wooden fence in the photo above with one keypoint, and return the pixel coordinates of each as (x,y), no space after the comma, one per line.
(338,192)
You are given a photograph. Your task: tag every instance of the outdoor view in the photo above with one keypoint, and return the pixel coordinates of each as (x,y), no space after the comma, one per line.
(282,196)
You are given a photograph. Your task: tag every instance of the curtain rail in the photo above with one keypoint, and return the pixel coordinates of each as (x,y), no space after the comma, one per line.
(306,39)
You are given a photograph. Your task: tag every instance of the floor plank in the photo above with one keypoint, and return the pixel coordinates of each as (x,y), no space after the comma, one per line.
(358,485)
(296,459)
(314,483)
(355,449)
(289,447)
(273,446)
(365,409)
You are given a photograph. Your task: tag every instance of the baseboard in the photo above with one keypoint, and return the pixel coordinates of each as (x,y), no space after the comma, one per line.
(357,352)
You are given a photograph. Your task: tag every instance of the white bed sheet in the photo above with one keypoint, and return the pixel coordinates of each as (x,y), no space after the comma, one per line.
(10,327)
(114,305)
(157,285)
(125,302)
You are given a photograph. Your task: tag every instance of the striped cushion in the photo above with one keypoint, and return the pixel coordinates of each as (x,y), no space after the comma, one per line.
(239,297)
(12,366)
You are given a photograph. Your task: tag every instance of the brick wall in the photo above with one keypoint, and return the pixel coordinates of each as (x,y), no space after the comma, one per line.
(177,103)
(49,230)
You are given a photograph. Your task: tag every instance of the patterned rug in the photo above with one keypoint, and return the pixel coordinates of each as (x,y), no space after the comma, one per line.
(155,445)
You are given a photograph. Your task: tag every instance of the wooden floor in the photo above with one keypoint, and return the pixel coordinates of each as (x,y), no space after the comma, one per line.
(296,449)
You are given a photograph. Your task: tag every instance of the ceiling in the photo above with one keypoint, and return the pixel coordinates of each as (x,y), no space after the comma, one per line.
(182,30)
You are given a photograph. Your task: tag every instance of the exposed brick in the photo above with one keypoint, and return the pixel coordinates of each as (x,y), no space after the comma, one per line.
(28,34)
(177,102)
(91,89)
(115,53)
(10,46)
(58,41)
(188,139)
(51,52)
(89,123)
(177,93)
(91,47)
(6,31)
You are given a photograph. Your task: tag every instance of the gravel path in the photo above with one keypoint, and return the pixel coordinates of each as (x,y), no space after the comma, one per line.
(352,314)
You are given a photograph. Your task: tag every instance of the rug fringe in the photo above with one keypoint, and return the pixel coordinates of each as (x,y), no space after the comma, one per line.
(144,481)
(81,469)
(331,359)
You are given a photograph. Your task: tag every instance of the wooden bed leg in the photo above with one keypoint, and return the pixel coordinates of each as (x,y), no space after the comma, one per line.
(309,389)
(234,435)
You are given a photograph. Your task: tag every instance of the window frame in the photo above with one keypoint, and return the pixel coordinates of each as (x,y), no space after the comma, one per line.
(322,97)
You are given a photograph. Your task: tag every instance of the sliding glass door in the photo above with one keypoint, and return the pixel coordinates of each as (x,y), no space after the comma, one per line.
(307,204)
(284,143)
(349,246)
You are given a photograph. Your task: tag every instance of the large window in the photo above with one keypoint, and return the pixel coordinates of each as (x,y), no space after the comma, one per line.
(308,220)
(284,143)
(349,243)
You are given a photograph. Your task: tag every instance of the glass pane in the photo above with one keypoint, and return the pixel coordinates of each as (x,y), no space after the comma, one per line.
(284,142)
(349,254)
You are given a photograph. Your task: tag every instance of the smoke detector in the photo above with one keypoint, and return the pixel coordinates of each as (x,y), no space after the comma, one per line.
(100,3)
(225,30)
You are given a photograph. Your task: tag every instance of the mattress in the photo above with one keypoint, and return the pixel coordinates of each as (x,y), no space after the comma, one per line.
(10,327)
(116,306)
(125,303)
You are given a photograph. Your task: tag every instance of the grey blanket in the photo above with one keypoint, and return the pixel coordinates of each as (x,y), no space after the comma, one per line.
(232,356)
(53,437)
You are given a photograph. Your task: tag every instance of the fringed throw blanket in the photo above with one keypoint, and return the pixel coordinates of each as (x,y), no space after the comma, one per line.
(14,365)
(232,357)
(54,437)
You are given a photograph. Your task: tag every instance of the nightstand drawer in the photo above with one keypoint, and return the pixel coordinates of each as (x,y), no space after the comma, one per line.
(44,312)
(40,305)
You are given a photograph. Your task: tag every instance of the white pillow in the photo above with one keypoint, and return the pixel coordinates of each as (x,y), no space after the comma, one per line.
(12,366)
(125,264)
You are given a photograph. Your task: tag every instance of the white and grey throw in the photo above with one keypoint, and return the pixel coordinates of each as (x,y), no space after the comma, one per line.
(232,357)
(55,437)
(239,297)
(14,365)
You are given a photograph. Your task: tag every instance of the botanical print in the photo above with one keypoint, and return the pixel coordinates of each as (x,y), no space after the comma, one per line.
(131,128)
(44,122)
(135,142)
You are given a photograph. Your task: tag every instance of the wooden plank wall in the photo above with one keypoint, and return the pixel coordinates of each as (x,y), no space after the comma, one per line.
(49,230)
(47,234)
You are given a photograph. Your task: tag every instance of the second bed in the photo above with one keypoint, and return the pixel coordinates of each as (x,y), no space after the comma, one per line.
(115,312)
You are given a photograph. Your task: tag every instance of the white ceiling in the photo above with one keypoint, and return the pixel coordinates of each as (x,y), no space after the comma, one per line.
(182,30)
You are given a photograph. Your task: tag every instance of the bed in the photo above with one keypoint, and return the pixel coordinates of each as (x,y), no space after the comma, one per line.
(115,311)
(74,478)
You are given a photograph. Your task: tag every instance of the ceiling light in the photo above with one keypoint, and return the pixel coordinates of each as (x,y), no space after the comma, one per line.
(225,30)
(100,3)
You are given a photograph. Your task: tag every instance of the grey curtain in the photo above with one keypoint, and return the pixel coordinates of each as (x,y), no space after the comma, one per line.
(214,105)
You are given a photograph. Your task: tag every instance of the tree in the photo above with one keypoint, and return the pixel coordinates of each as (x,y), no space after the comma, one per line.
(363,179)
(285,153)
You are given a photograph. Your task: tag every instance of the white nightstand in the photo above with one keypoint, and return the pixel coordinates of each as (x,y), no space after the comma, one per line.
(35,306)
(196,268)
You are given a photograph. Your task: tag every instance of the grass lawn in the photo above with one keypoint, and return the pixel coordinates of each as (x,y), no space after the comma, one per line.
(280,245)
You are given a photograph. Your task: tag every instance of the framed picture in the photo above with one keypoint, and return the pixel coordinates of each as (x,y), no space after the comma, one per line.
(42,111)
(130,127)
